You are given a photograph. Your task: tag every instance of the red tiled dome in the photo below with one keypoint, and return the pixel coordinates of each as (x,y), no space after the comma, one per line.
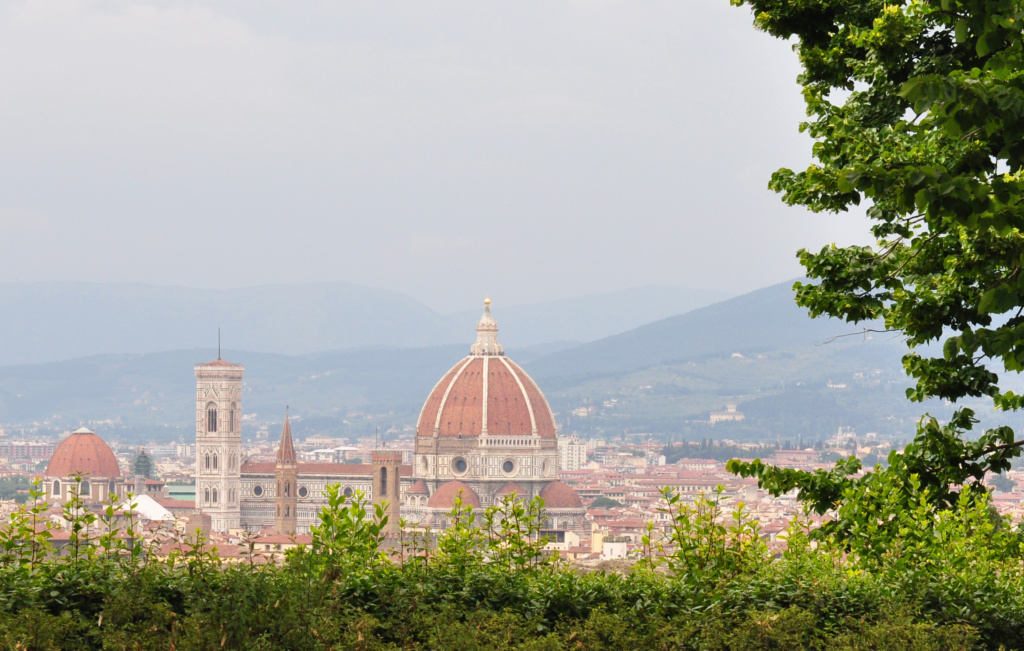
(486,390)
(444,496)
(515,405)
(419,488)
(557,495)
(83,453)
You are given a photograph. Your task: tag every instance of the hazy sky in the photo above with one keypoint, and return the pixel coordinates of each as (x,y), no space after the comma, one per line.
(530,149)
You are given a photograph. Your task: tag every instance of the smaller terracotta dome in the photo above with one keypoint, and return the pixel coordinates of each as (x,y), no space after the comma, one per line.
(419,488)
(557,495)
(83,453)
(444,496)
(511,487)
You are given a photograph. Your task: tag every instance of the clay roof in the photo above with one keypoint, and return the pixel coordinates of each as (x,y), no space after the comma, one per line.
(557,495)
(219,362)
(313,468)
(511,487)
(444,496)
(284,539)
(419,488)
(486,391)
(83,453)
(515,405)
(172,503)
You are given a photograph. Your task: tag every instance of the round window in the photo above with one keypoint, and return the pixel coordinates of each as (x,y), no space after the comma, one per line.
(303,491)
(257,490)
(508,466)
(459,465)
(348,492)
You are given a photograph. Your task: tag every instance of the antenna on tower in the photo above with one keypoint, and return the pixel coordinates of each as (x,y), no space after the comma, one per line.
(218,342)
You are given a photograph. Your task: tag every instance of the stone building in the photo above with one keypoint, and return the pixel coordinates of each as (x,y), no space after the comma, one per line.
(219,442)
(485,431)
(85,464)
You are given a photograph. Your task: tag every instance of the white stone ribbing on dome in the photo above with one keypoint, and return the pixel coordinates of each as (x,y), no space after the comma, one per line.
(484,403)
(444,399)
(486,335)
(526,397)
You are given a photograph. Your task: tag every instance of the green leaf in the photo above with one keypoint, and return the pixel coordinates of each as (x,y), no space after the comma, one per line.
(961,30)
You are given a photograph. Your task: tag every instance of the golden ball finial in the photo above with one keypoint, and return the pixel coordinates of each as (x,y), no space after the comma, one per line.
(487,301)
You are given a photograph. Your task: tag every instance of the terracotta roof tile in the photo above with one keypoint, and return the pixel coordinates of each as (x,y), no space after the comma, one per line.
(557,495)
(83,453)
(511,395)
(444,496)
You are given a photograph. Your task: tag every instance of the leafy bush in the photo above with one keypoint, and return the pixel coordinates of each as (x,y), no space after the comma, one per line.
(944,579)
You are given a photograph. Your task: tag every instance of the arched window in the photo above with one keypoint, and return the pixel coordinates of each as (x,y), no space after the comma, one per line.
(231,417)
(207,461)
(56,488)
(206,495)
(112,487)
(287,512)
(214,495)
(214,460)
(84,489)
(287,489)
(383,482)
(211,417)
(278,511)
(279,489)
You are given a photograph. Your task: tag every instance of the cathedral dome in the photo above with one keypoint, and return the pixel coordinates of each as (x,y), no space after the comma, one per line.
(486,394)
(511,488)
(557,495)
(444,496)
(83,453)
(419,488)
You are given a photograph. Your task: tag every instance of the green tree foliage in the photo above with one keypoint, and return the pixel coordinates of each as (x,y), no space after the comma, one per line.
(15,488)
(943,579)
(605,503)
(917,109)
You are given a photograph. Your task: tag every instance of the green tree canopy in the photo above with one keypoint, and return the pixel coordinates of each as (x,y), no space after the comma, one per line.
(916,108)
(605,503)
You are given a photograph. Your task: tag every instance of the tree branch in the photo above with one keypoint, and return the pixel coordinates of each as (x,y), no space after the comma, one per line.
(853,334)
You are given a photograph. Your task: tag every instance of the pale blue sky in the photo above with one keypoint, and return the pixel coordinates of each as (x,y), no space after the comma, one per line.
(534,149)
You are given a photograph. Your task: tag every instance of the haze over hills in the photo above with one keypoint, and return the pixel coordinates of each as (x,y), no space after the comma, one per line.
(758,351)
(595,316)
(763,320)
(54,321)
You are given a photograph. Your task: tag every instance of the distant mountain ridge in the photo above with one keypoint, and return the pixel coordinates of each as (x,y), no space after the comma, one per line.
(53,321)
(661,377)
(762,320)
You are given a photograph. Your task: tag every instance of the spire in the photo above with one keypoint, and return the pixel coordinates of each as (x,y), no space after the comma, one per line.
(486,334)
(286,451)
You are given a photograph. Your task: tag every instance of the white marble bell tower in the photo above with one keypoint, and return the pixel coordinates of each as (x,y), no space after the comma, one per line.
(219,443)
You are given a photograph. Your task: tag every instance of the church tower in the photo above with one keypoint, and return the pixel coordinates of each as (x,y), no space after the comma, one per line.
(219,443)
(286,473)
(386,485)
